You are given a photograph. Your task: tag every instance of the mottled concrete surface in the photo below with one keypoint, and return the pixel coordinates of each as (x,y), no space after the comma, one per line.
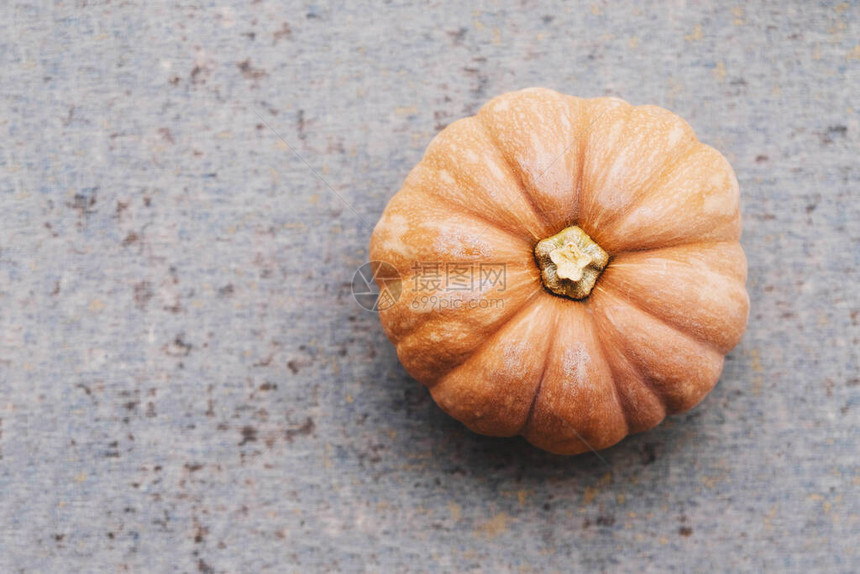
(187,385)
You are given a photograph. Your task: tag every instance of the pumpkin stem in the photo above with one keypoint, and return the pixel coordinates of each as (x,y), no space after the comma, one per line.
(570,262)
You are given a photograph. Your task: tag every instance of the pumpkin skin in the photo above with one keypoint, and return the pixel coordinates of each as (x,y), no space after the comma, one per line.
(570,375)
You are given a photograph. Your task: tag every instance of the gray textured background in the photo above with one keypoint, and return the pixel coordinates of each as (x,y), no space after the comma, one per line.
(187,385)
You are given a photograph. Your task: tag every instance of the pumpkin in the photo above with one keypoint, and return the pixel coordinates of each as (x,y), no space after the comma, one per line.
(568,269)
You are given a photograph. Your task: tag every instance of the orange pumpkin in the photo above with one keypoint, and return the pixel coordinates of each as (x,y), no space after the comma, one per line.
(569,269)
